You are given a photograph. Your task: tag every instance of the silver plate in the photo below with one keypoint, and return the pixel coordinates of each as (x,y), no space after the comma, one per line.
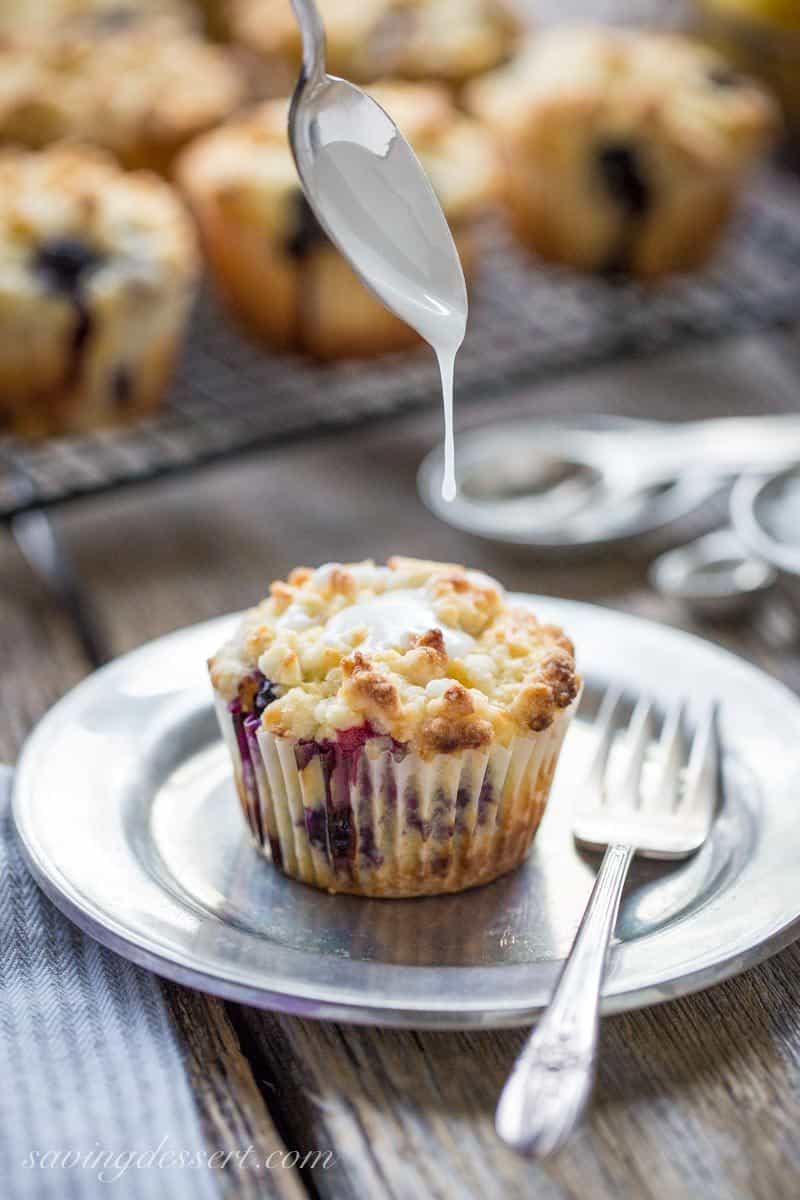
(129,822)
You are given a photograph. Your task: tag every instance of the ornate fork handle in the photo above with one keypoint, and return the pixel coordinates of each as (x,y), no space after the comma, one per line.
(546,1094)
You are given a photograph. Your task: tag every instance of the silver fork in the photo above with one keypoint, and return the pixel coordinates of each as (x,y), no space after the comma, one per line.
(549,1087)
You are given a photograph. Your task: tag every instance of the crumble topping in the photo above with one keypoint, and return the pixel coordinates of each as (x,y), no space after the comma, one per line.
(152,85)
(423,652)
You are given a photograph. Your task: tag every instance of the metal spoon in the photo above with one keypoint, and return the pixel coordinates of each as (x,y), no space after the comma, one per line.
(726,572)
(580,484)
(371,195)
(715,576)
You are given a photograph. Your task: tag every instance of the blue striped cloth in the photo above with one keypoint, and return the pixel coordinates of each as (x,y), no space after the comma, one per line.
(90,1065)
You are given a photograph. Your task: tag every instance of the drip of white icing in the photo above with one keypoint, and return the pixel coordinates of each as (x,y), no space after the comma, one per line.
(391,620)
(378,204)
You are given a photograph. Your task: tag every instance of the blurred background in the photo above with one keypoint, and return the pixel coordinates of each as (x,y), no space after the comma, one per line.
(196,393)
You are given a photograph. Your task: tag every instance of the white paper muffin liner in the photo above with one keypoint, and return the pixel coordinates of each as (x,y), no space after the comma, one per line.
(378,819)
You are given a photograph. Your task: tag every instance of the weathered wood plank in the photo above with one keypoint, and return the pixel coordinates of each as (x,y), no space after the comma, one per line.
(233,1112)
(39,659)
(694,1098)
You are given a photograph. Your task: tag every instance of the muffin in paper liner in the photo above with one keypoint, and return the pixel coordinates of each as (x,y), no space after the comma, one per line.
(394,729)
(626,150)
(98,268)
(367,815)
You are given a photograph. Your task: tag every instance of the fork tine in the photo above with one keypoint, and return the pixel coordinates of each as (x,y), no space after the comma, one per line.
(672,756)
(606,727)
(701,790)
(637,740)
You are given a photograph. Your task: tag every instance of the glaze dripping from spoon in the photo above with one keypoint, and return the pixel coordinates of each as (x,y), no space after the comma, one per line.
(372,197)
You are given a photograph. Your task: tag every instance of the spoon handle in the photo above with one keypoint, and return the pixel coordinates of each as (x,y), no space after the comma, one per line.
(313,34)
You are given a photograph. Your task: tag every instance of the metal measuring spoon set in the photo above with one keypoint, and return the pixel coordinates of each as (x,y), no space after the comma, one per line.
(596,483)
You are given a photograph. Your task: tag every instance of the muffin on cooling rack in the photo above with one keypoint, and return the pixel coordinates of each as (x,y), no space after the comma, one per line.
(271,259)
(394,730)
(141,92)
(625,150)
(43,18)
(451,40)
(97,268)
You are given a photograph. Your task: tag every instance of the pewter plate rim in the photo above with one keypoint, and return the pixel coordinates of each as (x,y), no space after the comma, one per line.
(440,997)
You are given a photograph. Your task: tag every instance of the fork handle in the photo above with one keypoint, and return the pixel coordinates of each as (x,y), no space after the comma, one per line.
(548,1089)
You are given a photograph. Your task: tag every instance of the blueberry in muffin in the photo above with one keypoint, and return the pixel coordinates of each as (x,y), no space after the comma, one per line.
(273,263)
(97,271)
(140,91)
(394,729)
(449,40)
(625,150)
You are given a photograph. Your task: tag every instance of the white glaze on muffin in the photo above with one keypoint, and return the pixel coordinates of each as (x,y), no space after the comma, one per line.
(429,654)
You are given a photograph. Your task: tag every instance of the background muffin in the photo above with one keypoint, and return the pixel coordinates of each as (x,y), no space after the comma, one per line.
(271,259)
(394,730)
(44,18)
(761,37)
(96,275)
(625,150)
(448,40)
(141,92)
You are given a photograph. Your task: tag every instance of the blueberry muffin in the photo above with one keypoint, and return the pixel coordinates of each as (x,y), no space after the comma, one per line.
(450,40)
(97,268)
(393,730)
(762,36)
(272,261)
(141,92)
(625,150)
(44,18)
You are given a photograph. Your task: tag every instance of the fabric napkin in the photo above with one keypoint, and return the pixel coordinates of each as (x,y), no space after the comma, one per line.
(93,1091)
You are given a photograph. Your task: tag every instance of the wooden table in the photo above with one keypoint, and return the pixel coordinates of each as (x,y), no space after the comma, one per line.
(696,1098)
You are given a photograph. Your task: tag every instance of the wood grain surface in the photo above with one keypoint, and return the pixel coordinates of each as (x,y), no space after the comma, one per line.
(697,1098)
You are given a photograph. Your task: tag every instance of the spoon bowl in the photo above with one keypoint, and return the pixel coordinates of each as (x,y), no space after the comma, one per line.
(715,576)
(370,194)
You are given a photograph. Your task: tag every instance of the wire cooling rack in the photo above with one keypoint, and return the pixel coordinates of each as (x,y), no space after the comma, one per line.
(526,321)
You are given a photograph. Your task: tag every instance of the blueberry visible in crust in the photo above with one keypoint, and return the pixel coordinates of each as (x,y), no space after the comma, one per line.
(115,19)
(316,825)
(80,336)
(485,801)
(122,387)
(264,696)
(624,177)
(725,77)
(65,263)
(341,834)
(306,231)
